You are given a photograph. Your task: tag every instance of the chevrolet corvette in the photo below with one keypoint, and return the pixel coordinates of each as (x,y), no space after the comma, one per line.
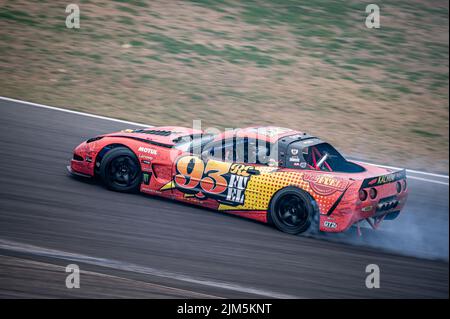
(292,180)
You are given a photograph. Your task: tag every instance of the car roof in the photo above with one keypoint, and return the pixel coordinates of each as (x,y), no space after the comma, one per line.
(266,133)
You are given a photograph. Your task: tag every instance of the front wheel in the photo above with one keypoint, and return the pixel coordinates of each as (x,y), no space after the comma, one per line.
(120,170)
(293,211)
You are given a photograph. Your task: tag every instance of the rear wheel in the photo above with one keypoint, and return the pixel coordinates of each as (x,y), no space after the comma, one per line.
(120,170)
(293,211)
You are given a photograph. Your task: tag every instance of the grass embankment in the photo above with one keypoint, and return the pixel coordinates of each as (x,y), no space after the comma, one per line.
(381,94)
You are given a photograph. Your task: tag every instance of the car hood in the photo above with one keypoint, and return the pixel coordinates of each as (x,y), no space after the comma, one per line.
(167,135)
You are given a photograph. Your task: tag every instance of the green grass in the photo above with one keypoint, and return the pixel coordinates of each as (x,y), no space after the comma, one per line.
(137,3)
(128,10)
(237,55)
(17,16)
(137,43)
(426,134)
(127,21)
(307,64)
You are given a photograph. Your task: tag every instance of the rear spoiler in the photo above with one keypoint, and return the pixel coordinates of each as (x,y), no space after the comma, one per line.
(384,179)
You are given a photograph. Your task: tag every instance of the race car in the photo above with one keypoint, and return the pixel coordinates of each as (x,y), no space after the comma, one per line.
(292,180)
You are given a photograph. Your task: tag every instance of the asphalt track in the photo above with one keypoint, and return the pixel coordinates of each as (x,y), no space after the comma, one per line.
(141,246)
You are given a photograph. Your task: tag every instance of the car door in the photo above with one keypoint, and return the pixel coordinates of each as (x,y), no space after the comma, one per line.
(228,157)
(214,177)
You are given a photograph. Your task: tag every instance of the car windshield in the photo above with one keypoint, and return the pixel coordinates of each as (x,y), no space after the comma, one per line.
(191,143)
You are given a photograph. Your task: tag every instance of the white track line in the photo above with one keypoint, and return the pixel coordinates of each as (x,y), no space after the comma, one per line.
(145,125)
(410,170)
(148,285)
(72,112)
(123,266)
(427,180)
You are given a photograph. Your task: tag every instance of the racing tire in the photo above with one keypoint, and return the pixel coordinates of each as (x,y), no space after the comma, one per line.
(294,211)
(120,170)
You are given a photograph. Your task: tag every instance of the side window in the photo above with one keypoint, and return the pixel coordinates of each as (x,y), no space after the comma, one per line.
(228,151)
(258,152)
(241,150)
(221,151)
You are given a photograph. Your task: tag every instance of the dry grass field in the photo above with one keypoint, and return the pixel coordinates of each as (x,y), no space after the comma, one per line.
(378,94)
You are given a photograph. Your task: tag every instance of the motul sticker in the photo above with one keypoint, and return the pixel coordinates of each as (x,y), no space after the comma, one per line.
(148,150)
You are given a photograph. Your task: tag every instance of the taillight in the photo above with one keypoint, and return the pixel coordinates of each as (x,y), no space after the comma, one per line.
(399,187)
(373,193)
(362,195)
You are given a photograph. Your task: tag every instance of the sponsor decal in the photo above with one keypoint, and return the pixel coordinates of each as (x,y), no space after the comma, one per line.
(150,158)
(384,179)
(294,151)
(148,150)
(380,180)
(294,159)
(148,189)
(329,224)
(145,159)
(325,184)
(146,178)
(236,188)
(224,182)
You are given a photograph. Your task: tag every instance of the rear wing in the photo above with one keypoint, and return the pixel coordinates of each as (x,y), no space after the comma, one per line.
(384,179)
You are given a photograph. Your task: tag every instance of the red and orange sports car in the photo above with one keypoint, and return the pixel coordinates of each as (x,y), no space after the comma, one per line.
(290,179)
